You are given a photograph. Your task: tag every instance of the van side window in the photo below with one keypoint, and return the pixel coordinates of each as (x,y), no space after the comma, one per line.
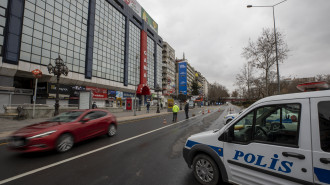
(243,128)
(324,122)
(277,124)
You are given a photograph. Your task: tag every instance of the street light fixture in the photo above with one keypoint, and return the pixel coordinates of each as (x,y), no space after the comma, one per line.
(277,67)
(59,69)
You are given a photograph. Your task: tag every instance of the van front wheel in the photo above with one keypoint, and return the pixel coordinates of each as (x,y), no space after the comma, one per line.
(205,170)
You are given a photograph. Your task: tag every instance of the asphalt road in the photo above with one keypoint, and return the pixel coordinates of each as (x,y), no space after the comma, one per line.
(143,152)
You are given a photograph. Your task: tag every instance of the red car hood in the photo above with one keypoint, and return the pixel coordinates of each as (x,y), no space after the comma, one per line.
(36,128)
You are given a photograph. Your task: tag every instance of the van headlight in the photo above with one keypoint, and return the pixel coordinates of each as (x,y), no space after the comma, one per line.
(42,134)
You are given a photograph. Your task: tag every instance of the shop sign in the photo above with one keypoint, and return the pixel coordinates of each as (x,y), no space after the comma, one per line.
(111,93)
(127,94)
(75,90)
(63,89)
(98,93)
(119,94)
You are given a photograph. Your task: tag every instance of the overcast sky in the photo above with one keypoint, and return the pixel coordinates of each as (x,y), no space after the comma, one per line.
(212,33)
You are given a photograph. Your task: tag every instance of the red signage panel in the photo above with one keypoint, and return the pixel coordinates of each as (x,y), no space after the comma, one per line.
(98,93)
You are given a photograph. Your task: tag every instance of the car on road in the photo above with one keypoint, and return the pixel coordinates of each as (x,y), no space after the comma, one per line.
(63,131)
(283,139)
(230,117)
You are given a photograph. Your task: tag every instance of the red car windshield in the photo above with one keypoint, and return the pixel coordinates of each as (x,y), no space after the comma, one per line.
(66,116)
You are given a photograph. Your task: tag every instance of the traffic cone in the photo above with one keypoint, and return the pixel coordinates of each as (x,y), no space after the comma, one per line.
(208,111)
(164,122)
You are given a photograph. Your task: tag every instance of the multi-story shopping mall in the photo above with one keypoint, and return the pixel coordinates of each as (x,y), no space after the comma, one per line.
(111,47)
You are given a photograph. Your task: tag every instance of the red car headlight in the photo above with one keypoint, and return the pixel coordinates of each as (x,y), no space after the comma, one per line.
(42,134)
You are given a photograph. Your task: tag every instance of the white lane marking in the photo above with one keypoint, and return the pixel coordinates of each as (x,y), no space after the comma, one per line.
(82,155)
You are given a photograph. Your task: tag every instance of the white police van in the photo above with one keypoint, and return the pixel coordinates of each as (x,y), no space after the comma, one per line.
(282,139)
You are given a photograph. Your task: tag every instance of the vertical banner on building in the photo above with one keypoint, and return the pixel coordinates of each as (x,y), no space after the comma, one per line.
(183,78)
(143,58)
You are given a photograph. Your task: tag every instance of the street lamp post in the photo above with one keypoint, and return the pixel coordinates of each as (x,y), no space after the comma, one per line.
(277,67)
(136,84)
(59,69)
(158,89)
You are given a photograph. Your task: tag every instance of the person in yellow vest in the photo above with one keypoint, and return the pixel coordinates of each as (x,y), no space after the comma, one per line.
(175,110)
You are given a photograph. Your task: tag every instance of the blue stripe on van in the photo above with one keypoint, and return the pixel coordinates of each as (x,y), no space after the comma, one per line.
(322,174)
(219,150)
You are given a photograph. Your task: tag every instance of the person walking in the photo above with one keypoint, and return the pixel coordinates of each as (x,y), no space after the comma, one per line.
(175,110)
(186,109)
(148,107)
(94,106)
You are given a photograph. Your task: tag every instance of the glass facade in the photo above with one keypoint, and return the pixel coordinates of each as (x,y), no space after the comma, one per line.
(59,28)
(109,42)
(151,63)
(53,28)
(3,9)
(159,66)
(134,51)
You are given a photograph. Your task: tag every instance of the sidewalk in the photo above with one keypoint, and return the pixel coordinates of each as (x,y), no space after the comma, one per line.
(7,126)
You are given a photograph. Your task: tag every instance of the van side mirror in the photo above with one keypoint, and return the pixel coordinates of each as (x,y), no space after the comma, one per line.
(226,136)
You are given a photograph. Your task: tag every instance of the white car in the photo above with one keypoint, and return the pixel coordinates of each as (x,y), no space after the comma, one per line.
(283,139)
(232,116)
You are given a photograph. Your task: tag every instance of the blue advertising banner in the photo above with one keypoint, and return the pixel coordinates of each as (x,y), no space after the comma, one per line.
(127,94)
(111,93)
(119,94)
(183,78)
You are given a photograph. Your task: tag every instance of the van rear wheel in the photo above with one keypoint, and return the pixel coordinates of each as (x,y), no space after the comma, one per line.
(205,170)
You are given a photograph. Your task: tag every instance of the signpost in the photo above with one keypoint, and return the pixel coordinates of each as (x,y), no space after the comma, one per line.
(37,74)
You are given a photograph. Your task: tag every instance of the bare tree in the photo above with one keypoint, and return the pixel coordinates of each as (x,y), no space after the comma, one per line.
(234,94)
(262,53)
(245,78)
(217,92)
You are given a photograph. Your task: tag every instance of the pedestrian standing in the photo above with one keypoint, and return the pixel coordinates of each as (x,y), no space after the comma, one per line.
(175,110)
(186,109)
(94,106)
(148,107)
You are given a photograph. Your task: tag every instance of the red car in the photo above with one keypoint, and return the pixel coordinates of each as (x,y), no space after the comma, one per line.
(62,131)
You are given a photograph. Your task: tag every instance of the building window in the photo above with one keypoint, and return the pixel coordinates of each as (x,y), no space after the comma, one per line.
(45,33)
(159,66)
(3,9)
(151,62)
(134,51)
(109,43)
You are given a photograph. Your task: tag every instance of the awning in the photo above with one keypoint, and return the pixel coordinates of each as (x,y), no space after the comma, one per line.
(143,89)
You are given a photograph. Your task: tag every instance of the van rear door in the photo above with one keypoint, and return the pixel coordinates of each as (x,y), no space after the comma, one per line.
(320,124)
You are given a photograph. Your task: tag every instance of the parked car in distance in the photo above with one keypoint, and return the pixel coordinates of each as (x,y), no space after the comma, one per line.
(232,116)
(62,131)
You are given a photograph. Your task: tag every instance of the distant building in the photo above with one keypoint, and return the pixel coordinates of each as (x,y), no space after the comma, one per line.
(168,71)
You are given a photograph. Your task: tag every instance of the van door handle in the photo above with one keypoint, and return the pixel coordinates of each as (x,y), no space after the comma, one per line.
(325,160)
(291,154)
